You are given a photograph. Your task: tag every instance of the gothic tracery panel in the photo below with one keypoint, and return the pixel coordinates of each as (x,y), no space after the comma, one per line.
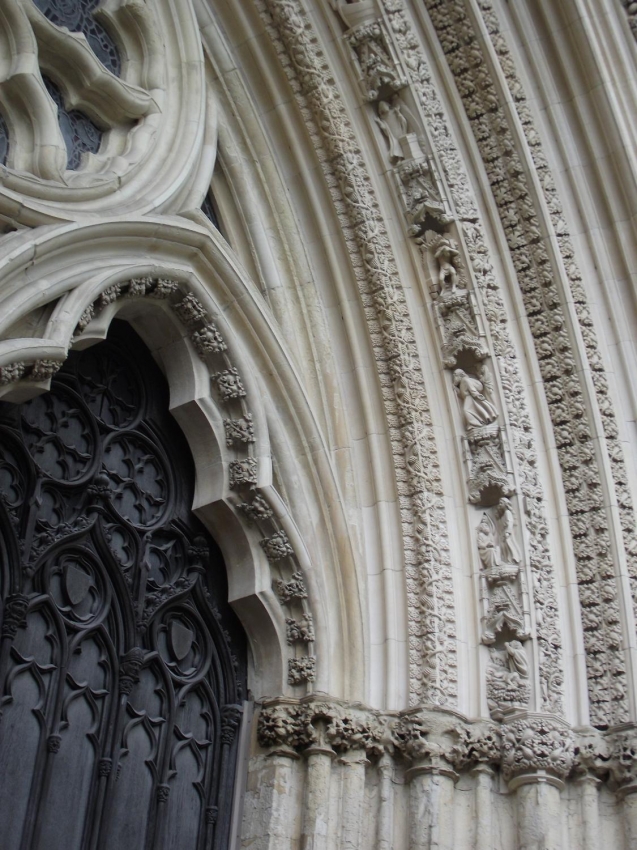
(78,16)
(122,669)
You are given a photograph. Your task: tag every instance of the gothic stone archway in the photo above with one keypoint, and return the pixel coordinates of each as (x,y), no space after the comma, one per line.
(122,668)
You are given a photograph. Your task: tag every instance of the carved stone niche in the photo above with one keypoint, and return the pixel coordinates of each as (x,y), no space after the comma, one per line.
(420,190)
(375,56)
(457,316)
(505,618)
(489,477)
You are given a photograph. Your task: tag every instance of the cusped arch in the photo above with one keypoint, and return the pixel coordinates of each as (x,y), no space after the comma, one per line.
(211,333)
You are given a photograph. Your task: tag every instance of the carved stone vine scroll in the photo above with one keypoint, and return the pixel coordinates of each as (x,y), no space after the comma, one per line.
(429,584)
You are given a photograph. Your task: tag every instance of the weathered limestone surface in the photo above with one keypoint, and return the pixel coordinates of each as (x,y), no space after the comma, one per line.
(384,252)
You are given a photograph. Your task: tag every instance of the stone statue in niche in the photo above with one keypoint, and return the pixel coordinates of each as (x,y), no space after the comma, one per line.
(509,549)
(487,544)
(378,67)
(508,680)
(457,316)
(393,126)
(474,394)
(498,549)
(447,255)
(421,196)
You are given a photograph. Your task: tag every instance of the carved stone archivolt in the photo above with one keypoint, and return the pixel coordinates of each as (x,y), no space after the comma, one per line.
(566,391)
(465,293)
(465,351)
(429,586)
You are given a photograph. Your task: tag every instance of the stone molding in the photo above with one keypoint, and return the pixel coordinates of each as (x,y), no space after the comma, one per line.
(459,321)
(242,470)
(567,392)
(431,611)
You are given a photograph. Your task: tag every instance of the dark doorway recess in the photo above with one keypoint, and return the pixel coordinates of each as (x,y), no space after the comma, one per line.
(122,667)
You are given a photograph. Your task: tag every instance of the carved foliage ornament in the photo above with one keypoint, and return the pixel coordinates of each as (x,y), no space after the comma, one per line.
(544,597)
(431,740)
(564,388)
(431,608)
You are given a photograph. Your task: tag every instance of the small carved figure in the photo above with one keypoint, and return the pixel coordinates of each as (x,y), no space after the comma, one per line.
(446,254)
(509,550)
(393,125)
(508,686)
(487,544)
(518,662)
(477,410)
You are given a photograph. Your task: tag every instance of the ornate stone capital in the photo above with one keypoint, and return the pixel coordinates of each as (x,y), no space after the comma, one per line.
(536,749)
(622,763)
(327,724)
(428,752)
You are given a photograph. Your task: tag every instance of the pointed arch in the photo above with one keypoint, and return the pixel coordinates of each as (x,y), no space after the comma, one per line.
(178,285)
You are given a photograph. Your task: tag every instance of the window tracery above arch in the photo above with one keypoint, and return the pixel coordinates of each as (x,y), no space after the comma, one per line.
(78,16)
(80,134)
(93,140)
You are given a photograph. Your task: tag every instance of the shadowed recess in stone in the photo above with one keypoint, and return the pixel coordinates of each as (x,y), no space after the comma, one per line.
(209,211)
(80,133)
(4,141)
(77,16)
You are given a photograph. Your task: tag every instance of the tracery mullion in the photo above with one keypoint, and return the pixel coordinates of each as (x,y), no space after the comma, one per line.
(158,808)
(103,762)
(49,723)
(213,772)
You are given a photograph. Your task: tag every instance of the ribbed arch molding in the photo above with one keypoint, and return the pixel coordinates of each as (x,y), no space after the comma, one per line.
(210,331)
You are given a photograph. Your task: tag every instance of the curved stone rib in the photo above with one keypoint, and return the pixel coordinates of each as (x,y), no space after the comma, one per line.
(86,83)
(432,636)
(137,28)
(37,144)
